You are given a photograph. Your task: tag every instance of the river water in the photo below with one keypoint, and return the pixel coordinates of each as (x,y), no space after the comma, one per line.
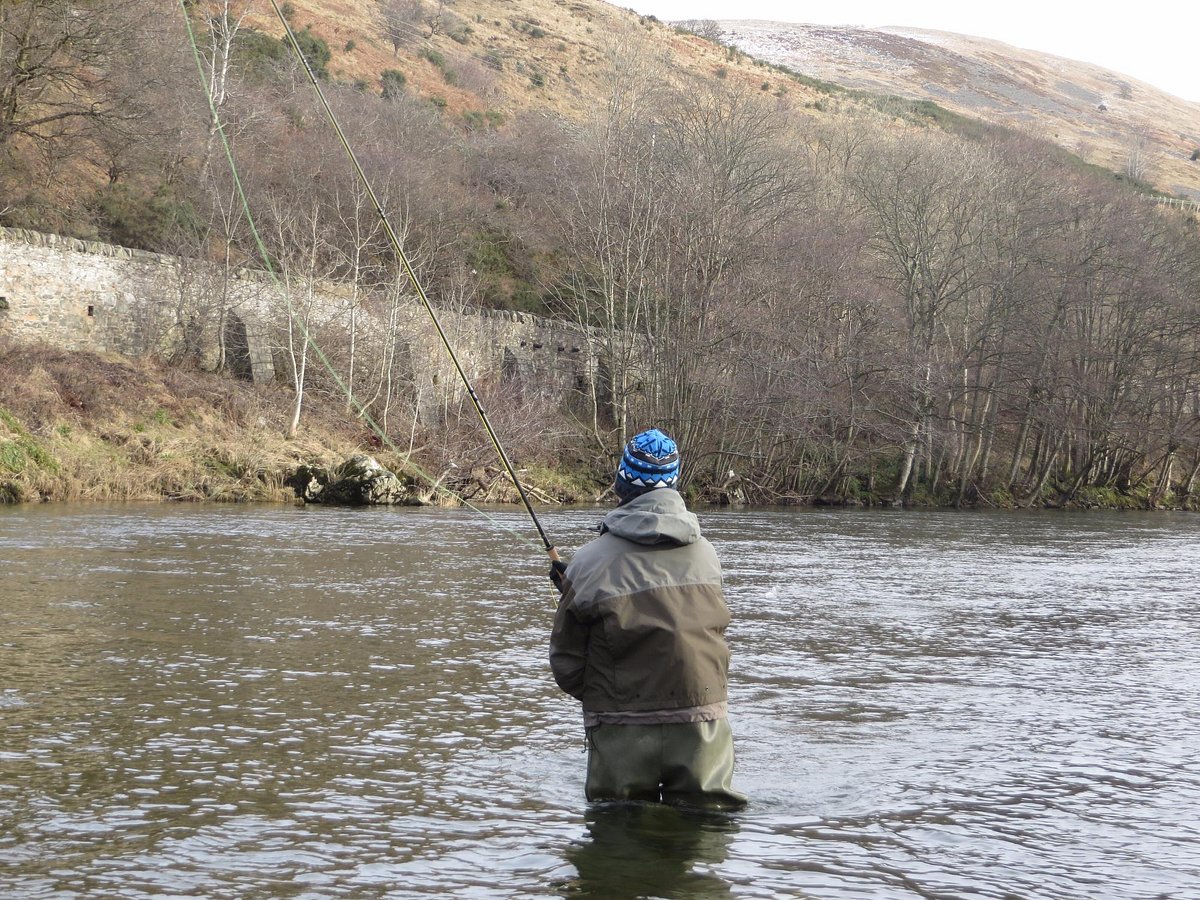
(234,702)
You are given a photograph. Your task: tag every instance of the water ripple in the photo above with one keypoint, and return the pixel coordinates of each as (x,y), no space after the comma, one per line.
(262,702)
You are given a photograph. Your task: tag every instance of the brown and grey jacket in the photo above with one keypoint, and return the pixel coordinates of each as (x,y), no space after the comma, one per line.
(641,625)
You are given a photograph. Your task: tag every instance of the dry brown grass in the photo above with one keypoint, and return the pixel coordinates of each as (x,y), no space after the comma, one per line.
(566,44)
(80,426)
(569,52)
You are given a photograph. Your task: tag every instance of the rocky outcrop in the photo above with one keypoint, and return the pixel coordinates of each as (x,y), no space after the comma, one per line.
(359,481)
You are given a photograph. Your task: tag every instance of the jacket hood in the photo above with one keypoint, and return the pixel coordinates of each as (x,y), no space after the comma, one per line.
(655,517)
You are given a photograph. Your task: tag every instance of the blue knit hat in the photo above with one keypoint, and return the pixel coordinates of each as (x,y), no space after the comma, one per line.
(650,460)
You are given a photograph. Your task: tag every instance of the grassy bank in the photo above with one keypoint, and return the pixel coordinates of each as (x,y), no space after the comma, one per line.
(82,426)
(79,426)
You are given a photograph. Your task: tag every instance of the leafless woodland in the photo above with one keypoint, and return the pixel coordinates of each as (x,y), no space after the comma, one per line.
(820,306)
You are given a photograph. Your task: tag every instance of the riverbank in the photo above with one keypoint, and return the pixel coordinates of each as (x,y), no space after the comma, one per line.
(78,425)
(84,426)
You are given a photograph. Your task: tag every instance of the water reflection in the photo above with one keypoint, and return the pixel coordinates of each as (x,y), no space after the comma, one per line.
(650,850)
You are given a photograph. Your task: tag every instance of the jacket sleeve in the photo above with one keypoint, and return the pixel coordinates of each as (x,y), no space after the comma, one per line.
(568,648)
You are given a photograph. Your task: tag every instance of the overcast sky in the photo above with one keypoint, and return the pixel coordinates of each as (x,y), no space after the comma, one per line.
(1153,41)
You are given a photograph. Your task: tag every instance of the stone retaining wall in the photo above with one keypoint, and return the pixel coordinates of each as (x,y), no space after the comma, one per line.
(84,295)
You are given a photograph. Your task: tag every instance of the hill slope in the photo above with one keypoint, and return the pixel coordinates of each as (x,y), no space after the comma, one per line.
(548,56)
(1105,117)
(544,56)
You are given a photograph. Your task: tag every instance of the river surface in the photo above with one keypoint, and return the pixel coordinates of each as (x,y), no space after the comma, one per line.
(246,702)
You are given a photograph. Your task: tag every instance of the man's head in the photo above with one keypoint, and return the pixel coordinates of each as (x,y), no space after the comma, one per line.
(650,460)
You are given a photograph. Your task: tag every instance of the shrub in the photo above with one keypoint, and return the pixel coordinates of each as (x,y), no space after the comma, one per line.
(315,52)
(257,53)
(1104,498)
(393,81)
(144,221)
(530,28)
(490,253)
(1001,497)
(21,451)
(434,57)
(507,279)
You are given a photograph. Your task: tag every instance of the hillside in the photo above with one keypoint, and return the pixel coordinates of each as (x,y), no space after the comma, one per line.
(545,56)
(485,63)
(1104,117)
(550,57)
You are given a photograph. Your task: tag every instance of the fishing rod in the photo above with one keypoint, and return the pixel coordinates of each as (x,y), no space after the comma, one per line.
(416,283)
(269,268)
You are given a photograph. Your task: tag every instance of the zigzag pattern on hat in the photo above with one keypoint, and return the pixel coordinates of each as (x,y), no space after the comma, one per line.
(650,460)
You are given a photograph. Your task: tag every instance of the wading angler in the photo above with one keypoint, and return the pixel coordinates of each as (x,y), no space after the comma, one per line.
(639,639)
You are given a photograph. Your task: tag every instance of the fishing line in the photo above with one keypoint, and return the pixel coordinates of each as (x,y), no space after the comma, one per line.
(286,293)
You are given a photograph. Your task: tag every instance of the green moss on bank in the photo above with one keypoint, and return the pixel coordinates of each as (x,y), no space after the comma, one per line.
(24,459)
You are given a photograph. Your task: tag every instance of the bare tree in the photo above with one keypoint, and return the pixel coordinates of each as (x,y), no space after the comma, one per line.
(401,20)
(437,18)
(734,187)
(926,199)
(295,224)
(57,65)
(362,229)
(223,28)
(301,257)
(709,29)
(1140,158)
(611,206)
